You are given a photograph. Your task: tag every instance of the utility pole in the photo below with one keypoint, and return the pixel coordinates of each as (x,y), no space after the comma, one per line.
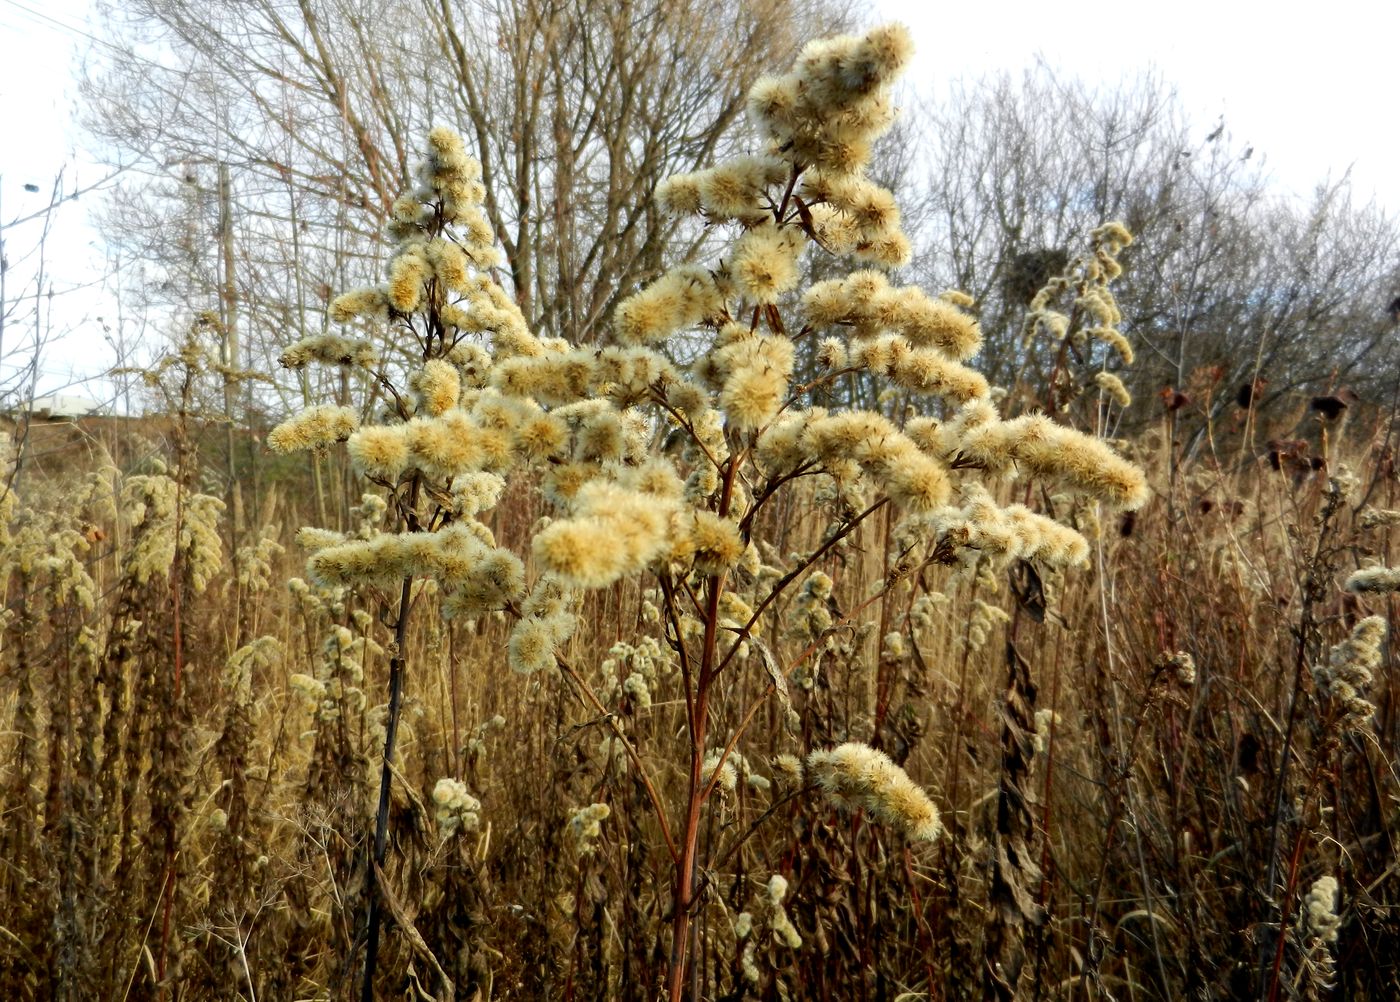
(228,317)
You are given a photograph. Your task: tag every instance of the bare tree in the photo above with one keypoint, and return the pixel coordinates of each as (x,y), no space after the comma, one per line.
(576,110)
(1235,283)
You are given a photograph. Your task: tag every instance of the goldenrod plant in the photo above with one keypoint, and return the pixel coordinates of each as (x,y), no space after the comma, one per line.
(702,359)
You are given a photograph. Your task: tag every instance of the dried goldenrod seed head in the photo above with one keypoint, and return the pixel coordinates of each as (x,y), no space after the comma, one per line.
(1319,918)
(1347,674)
(857,777)
(1374,518)
(449,263)
(929,322)
(832,354)
(725,775)
(1014,532)
(655,476)
(711,542)
(888,248)
(586,825)
(447,150)
(438,386)
(777,889)
(780,925)
(679,194)
(1113,236)
(372,301)
(456,809)
(737,188)
(651,315)
(450,444)
(872,207)
(1374,580)
(407,274)
(380,452)
(764,263)
(929,371)
(1116,341)
(841,152)
(1113,387)
(311,539)
(755,381)
(556,378)
(917,483)
(542,437)
(881,55)
(473,493)
(531,646)
(615,532)
(562,482)
(1183,668)
(752,395)
(314,428)
(1040,447)
(330,349)
(311,689)
(600,438)
(773,104)
(408,212)
(789,768)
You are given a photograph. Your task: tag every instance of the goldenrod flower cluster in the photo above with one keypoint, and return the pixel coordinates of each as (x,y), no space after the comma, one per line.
(778,922)
(1376,518)
(254,562)
(150,503)
(314,428)
(456,809)
(810,614)
(329,349)
(1319,918)
(1083,289)
(858,777)
(1035,445)
(631,672)
(727,774)
(981,527)
(1374,580)
(614,531)
(1348,673)
(585,827)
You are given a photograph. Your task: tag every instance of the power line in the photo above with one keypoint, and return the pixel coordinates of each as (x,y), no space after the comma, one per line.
(79,32)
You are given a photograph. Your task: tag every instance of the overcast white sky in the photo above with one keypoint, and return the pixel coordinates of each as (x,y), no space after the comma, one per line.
(1311,87)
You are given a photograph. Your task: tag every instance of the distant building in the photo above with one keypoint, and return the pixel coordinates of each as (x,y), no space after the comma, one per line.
(62,405)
